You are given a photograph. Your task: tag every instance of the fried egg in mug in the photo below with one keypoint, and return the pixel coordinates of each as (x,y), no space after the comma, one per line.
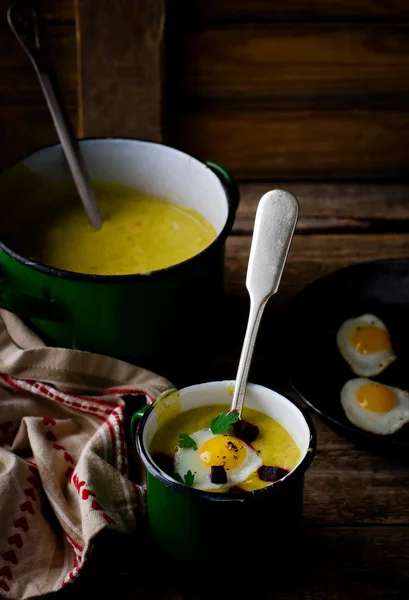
(237,457)
(375,407)
(365,344)
(242,462)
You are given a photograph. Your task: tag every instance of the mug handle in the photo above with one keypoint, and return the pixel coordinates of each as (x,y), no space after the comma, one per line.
(136,417)
(29,306)
(228,182)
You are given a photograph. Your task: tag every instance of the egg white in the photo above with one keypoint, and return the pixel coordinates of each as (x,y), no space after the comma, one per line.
(365,365)
(380,423)
(187,459)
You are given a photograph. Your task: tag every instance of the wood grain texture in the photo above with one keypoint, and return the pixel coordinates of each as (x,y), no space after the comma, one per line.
(297,144)
(317,65)
(312,256)
(120,65)
(19,85)
(333,207)
(295,10)
(342,486)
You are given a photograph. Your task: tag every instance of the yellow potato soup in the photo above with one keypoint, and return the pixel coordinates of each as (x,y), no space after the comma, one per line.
(273,445)
(140,234)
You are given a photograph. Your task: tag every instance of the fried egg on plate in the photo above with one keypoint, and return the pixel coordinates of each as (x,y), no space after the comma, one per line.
(365,344)
(375,407)
(238,459)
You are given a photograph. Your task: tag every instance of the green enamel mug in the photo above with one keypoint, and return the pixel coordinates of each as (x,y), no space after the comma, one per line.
(125,316)
(197,525)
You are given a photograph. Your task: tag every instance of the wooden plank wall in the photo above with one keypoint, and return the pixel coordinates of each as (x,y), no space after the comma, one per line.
(120,67)
(25,123)
(108,58)
(305,90)
(272,90)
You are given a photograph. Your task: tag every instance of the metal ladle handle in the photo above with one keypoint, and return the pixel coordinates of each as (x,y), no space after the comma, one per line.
(276,217)
(25,23)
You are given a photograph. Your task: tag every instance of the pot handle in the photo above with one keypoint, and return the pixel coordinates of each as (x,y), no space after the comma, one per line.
(29,306)
(228,182)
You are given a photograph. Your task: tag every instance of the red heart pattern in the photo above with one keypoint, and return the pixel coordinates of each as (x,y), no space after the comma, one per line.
(58,447)
(33,480)
(27,506)
(10,556)
(68,458)
(69,473)
(6,571)
(86,493)
(76,405)
(49,421)
(15,540)
(33,469)
(21,523)
(4,585)
(95,505)
(50,436)
(30,493)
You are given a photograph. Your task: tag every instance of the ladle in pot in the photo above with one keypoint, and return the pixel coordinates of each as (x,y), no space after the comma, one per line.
(25,23)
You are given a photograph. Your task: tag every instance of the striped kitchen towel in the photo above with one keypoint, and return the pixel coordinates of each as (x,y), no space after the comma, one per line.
(63,457)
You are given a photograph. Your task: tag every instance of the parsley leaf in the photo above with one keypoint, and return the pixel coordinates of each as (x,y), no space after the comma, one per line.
(223,422)
(189,478)
(186,441)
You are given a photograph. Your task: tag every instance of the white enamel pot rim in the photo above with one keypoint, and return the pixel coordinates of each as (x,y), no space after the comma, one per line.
(302,427)
(176,173)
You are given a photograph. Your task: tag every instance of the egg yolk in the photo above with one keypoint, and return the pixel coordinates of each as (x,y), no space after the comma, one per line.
(376,397)
(223,450)
(369,340)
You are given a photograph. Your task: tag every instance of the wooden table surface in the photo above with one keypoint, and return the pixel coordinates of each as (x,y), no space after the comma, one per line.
(356,502)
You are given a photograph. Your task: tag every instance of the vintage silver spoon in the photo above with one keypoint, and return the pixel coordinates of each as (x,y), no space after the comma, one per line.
(25,24)
(276,217)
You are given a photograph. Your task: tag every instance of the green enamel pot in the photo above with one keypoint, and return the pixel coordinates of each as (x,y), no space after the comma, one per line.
(125,316)
(199,526)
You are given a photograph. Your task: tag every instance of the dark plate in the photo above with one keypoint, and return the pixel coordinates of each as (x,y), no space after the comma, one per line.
(315,367)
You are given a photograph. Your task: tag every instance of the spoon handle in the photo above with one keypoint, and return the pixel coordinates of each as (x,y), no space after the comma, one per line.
(276,217)
(25,24)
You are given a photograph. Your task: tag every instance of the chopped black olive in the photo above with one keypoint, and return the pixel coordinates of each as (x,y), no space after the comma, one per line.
(271,473)
(245,431)
(218,474)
